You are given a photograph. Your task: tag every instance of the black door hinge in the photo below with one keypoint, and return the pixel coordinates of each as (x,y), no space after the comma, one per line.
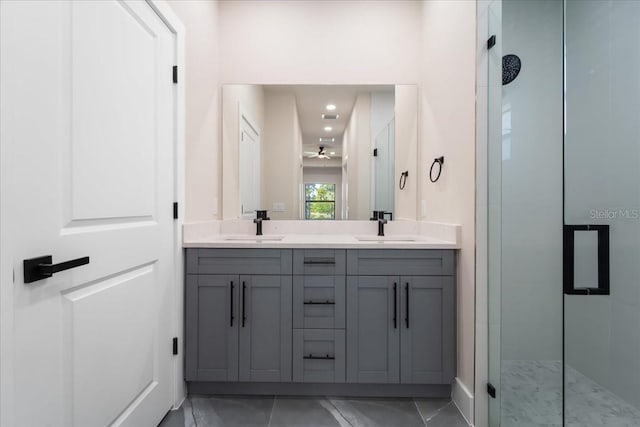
(491,390)
(491,42)
(175,210)
(175,74)
(175,345)
(375,152)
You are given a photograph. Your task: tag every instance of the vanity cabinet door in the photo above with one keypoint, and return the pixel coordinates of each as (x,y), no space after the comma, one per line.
(373,329)
(265,328)
(211,328)
(427,335)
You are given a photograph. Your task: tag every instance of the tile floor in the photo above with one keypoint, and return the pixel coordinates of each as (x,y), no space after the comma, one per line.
(532,397)
(283,411)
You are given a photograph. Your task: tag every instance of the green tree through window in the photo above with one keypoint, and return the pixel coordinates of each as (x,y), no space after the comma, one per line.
(320,201)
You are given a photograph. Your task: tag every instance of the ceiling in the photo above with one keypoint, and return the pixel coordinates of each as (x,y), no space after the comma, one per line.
(311,101)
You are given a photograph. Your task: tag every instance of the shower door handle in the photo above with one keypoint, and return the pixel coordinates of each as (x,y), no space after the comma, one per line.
(603,286)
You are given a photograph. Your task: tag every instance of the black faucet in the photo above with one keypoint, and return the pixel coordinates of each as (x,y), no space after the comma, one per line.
(379,216)
(381,223)
(261,215)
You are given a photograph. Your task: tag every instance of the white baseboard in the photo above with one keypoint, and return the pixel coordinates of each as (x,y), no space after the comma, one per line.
(463,399)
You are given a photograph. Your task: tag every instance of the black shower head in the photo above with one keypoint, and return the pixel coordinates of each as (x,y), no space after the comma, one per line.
(511,65)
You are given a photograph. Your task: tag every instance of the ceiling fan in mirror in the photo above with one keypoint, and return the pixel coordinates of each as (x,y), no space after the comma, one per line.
(320,154)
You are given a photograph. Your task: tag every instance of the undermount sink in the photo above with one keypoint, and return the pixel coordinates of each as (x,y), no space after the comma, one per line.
(250,238)
(386,239)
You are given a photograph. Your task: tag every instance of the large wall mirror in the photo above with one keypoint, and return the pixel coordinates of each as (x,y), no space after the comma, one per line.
(319,152)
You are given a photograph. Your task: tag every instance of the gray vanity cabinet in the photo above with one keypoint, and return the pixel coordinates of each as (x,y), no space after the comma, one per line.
(427,334)
(302,320)
(401,316)
(265,328)
(211,332)
(319,315)
(238,327)
(373,333)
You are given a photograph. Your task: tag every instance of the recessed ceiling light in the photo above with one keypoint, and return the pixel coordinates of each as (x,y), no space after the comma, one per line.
(331,107)
(332,153)
(328,128)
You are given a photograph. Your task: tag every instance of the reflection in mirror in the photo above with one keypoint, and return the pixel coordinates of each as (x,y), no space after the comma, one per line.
(319,200)
(316,152)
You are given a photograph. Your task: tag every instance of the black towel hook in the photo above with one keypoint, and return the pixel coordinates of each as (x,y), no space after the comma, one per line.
(440,162)
(403,179)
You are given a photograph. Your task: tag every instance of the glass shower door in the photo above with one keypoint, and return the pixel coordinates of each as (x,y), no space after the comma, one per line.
(602,213)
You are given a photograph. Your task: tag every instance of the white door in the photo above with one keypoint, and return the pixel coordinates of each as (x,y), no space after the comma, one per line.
(87,113)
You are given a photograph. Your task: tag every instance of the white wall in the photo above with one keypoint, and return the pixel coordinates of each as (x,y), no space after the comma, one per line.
(406,156)
(236,100)
(282,144)
(447,128)
(382,110)
(326,175)
(357,140)
(319,42)
(202,168)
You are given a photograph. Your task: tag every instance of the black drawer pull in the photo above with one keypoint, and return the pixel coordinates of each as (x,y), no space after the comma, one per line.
(319,261)
(327,302)
(312,357)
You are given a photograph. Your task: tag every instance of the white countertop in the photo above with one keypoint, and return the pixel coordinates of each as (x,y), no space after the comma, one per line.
(325,234)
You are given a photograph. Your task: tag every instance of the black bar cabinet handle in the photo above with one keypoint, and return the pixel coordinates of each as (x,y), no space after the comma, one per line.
(327,302)
(312,357)
(244,315)
(231,306)
(406,295)
(318,261)
(42,267)
(395,305)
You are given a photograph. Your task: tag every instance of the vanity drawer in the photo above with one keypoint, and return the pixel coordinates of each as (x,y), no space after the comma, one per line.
(318,302)
(319,355)
(319,261)
(400,262)
(239,261)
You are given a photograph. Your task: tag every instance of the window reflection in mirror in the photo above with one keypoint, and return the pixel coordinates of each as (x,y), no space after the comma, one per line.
(320,201)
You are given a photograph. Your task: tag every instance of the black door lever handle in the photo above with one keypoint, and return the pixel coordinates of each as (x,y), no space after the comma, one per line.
(42,267)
